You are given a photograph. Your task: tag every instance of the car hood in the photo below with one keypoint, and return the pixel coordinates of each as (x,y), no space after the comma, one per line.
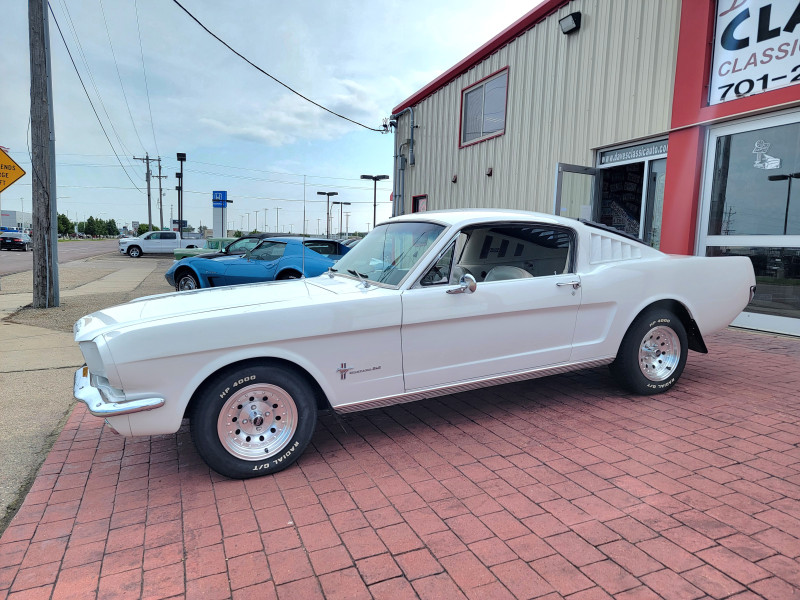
(189,304)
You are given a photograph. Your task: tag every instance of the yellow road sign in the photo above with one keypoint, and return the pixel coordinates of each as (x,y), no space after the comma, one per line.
(9,171)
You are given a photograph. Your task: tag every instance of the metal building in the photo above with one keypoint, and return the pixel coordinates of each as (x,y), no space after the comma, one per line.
(675,120)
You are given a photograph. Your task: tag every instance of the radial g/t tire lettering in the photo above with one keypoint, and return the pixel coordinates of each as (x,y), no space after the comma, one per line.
(253,420)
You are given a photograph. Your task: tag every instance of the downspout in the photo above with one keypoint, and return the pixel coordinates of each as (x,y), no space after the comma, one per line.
(399,201)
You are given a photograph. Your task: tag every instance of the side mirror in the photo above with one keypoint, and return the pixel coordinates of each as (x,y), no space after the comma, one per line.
(466,285)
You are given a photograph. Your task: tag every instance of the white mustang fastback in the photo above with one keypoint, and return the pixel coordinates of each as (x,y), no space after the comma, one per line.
(427,304)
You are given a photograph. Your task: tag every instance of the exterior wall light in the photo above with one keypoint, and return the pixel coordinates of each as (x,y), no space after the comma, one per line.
(571,23)
(489,172)
(454,179)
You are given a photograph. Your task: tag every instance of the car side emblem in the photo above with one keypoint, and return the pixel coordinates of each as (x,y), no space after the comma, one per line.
(343,371)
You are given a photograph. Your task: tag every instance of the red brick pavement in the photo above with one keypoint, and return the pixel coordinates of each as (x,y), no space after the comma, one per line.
(562,487)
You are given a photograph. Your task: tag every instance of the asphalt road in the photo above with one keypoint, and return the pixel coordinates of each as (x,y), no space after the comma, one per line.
(14,261)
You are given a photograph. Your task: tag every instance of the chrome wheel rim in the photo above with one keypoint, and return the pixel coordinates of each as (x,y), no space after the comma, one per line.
(659,353)
(187,282)
(257,422)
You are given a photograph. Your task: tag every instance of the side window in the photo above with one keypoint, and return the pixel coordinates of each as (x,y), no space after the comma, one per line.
(439,273)
(268,251)
(168,235)
(513,251)
(324,248)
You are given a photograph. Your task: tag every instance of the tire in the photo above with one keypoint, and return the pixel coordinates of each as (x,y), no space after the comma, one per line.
(134,252)
(289,275)
(224,426)
(652,354)
(187,281)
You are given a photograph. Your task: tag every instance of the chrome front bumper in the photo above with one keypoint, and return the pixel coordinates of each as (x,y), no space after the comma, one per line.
(99,406)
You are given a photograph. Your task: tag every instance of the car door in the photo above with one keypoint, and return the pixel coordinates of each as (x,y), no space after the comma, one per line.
(169,241)
(521,315)
(151,242)
(260,264)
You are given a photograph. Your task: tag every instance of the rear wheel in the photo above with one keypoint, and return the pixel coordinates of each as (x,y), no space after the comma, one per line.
(134,252)
(289,275)
(652,355)
(187,281)
(254,420)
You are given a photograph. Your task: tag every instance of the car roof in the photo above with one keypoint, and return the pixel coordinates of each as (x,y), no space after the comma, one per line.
(466,216)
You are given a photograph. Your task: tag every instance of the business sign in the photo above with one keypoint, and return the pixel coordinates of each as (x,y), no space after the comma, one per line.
(634,153)
(181,223)
(756,48)
(9,171)
(219,199)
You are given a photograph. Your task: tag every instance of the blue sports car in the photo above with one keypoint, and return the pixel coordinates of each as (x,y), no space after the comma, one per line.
(274,258)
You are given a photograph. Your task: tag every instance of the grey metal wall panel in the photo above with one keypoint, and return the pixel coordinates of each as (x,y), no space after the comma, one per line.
(610,82)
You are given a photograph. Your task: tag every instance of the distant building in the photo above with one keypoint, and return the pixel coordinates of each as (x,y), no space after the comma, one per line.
(15,219)
(675,120)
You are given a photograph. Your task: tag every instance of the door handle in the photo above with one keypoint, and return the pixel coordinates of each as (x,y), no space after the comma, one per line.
(575,284)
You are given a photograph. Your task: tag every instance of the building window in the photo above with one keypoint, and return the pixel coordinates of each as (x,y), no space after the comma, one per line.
(484,109)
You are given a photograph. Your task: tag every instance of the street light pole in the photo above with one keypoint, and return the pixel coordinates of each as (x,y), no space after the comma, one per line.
(328,210)
(181,159)
(375,180)
(788,177)
(341,204)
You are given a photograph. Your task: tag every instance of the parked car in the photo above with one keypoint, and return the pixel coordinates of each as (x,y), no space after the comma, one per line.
(273,258)
(15,240)
(239,246)
(211,245)
(157,242)
(427,304)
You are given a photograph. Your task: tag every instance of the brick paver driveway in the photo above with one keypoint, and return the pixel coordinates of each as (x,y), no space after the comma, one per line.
(557,487)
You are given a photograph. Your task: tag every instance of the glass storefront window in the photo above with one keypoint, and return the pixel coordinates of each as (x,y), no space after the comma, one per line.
(777,278)
(756,183)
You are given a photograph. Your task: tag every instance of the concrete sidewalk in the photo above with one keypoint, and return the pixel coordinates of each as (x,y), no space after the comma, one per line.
(38,359)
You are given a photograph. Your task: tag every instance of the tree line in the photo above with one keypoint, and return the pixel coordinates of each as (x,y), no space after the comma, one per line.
(91,227)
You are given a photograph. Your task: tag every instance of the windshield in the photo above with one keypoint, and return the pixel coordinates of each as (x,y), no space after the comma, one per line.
(389,252)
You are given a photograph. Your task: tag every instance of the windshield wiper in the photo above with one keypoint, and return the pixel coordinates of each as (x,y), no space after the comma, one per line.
(361,276)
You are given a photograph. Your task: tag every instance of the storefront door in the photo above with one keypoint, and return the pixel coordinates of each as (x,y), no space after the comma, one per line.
(751,207)
(625,190)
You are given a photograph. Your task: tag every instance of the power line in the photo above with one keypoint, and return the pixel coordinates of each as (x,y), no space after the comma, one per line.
(119,76)
(275,79)
(85,91)
(91,78)
(144,71)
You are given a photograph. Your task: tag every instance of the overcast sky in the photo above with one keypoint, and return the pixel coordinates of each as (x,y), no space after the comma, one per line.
(241,131)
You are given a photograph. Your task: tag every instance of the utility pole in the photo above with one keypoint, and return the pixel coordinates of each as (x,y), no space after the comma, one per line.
(146,160)
(265,221)
(277,229)
(43,157)
(160,197)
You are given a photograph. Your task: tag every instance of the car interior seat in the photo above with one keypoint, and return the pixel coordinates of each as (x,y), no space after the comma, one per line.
(503,272)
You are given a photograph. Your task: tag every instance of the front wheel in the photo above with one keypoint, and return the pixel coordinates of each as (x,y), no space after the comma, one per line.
(187,281)
(254,420)
(653,353)
(134,252)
